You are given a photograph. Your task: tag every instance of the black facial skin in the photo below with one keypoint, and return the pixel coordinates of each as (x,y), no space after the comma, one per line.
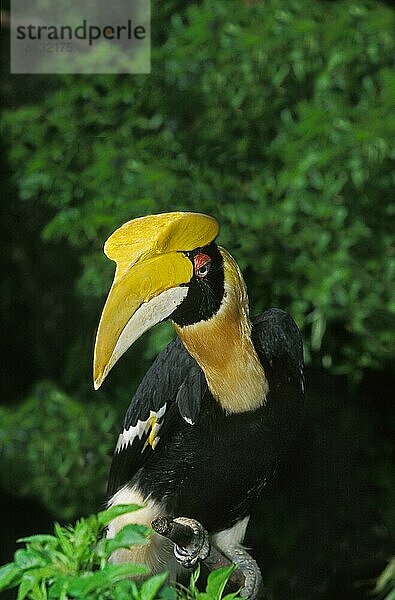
(205,294)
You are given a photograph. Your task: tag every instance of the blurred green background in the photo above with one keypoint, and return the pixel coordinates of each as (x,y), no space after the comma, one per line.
(278,118)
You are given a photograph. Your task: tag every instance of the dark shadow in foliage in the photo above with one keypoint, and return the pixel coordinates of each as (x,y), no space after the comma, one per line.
(324,527)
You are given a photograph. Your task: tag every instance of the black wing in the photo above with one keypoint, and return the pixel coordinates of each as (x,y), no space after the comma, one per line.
(173,386)
(279,345)
(275,334)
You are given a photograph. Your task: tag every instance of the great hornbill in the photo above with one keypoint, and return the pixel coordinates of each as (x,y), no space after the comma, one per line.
(220,404)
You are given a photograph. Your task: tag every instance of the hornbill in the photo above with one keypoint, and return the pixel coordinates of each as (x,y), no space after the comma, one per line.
(220,404)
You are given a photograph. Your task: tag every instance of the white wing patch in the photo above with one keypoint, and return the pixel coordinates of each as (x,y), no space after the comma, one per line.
(142,428)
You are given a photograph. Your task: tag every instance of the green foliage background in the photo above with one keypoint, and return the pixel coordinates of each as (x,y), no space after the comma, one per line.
(74,563)
(278,118)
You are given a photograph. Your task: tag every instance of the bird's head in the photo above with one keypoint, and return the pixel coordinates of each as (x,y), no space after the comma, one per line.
(167,266)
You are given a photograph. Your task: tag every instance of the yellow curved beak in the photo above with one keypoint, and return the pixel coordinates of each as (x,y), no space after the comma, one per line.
(149,281)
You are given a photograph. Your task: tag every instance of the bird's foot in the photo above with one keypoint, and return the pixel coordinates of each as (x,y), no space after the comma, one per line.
(252,588)
(197,549)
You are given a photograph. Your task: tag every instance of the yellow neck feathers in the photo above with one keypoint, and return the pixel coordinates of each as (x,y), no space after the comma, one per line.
(223,348)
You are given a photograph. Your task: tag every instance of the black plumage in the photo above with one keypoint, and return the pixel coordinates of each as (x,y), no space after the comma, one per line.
(208,464)
(220,404)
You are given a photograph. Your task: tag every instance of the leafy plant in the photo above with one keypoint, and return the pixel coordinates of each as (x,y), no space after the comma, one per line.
(73,563)
(61,441)
(215,586)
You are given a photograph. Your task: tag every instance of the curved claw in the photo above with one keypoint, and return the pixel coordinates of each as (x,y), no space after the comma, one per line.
(197,549)
(252,588)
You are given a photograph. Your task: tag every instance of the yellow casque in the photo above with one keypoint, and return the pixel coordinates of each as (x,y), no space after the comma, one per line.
(151,267)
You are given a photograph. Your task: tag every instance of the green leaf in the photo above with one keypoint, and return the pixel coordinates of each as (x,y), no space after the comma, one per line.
(8,574)
(168,593)
(150,587)
(28,559)
(58,587)
(231,596)
(192,589)
(39,538)
(83,585)
(386,580)
(117,572)
(129,535)
(64,541)
(106,516)
(196,574)
(26,586)
(204,596)
(216,582)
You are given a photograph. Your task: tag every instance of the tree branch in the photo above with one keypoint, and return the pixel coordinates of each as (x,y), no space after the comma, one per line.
(182,535)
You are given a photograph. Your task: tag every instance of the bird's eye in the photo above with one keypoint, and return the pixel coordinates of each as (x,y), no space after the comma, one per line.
(202,264)
(202,271)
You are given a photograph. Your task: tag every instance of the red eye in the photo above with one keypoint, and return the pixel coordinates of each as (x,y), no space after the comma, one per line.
(202,264)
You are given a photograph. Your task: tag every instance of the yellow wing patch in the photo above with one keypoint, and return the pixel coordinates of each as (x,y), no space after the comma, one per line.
(153,428)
